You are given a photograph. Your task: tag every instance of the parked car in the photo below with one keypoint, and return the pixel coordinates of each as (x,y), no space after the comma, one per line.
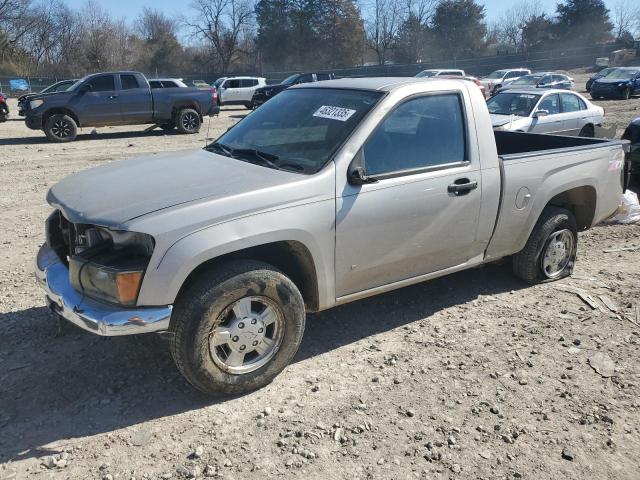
(167,83)
(239,90)
(328,193)
(440,73)
(632,133)
(623,82)
(4,108)
(540,80)
(201,84)
(471,79)
(263,94)
(60,86)
(555,112)
(497,79)
(600,74)
(118,98)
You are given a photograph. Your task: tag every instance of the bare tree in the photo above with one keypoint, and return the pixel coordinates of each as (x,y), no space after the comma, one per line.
(17,18)
(510,24)
(382,27)
(224,24)
(625,16)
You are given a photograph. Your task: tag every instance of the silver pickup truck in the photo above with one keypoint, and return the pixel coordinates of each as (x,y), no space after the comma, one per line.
(329,193)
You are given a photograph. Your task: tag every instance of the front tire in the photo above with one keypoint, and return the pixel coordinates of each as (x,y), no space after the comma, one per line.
(60,128)
(236,327)
(188,121)
(550,252)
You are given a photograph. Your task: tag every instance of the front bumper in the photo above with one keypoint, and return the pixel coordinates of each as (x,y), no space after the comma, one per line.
(607,92)
(33,122)
(91,315)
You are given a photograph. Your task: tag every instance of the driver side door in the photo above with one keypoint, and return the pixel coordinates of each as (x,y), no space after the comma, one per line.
(550,123)
(410,222)
(99,104)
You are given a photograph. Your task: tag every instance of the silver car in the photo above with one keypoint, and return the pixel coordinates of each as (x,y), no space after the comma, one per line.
(557,112)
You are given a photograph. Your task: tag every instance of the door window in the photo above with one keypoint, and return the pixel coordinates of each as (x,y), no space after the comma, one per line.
(423,132)
(570,103)
(232,84)
(248,82)
(155,84)
(103,83)
(129,82)
(168,84)
(305,78)
(546,80)
(323,76)
(551,104)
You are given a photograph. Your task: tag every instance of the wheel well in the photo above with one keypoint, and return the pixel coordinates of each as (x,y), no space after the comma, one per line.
(581,201)
(176,108)
(61,111)
(291,257)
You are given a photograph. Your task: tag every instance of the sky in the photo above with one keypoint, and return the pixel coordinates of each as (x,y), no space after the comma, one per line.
(130,8)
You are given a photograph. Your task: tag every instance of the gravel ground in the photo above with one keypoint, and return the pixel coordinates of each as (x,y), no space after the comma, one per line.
(475,375)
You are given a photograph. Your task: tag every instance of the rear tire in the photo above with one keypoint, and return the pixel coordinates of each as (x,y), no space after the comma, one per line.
(188,121)
(587,131)
(550,252)
(214,344)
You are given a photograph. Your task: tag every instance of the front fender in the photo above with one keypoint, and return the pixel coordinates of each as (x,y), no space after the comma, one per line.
(312,225)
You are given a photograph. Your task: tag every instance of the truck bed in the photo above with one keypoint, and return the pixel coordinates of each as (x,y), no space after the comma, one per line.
(532,163)
(512,145)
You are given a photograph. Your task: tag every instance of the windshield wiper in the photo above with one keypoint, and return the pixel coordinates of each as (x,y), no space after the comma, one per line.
(220,147)
(267,159)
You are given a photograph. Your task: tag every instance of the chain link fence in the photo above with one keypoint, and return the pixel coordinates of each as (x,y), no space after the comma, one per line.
(559,59)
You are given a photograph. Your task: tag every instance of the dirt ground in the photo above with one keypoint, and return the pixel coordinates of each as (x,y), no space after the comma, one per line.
(472,376)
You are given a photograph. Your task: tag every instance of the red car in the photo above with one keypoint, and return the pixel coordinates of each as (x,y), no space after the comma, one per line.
(4,108)
(469,78)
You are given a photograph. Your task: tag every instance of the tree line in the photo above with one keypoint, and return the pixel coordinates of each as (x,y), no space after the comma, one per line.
(47,37)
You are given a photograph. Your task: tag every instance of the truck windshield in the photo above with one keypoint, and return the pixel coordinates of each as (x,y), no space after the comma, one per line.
(298,130)
(520,104)
(77,84)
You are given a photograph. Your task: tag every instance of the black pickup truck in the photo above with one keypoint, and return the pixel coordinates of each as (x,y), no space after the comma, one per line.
(117,98)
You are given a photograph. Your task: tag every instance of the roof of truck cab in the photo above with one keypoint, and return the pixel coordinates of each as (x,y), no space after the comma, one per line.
(385,84)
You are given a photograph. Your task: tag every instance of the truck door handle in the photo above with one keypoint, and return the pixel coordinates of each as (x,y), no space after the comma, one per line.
(111,97)
(462,186)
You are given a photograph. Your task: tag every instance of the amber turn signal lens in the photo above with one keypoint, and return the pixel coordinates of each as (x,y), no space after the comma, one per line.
(128,285)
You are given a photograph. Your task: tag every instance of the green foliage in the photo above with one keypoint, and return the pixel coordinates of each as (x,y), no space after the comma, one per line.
(459,27)
(300,34)
(582,22)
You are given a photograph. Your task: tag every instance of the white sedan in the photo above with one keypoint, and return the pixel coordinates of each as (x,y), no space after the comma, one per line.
(557,112)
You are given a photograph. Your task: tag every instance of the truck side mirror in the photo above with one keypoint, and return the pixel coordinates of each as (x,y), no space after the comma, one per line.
(540,113)
(357,176)
(85,88)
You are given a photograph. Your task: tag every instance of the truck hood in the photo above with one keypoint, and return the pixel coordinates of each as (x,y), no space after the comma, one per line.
(115,193)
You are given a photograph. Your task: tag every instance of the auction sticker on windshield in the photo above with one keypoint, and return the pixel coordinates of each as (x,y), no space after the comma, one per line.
(334,113)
